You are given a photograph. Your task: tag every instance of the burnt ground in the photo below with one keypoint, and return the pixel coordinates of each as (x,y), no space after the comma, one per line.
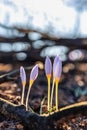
(72,89)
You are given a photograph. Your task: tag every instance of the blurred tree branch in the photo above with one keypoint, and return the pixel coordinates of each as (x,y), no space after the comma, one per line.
(34,121)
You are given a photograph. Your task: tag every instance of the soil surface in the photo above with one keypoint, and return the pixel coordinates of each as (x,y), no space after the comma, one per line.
(78,122)
(72,89)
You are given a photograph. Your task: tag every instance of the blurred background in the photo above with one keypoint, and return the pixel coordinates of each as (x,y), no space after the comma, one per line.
(31,30)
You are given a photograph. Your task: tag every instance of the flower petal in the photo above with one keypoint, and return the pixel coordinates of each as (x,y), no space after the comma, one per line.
(22,74)
(56,60)
(48,66)
(34,73)
(57,68)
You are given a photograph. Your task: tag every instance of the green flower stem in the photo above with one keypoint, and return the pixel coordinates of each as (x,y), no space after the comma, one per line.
(48,93)
(56,95)
(52,93)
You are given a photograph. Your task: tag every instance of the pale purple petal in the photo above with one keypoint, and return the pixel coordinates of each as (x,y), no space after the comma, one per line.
(48,66)
(57,70)
(56,60)
(34,73)
(22,74)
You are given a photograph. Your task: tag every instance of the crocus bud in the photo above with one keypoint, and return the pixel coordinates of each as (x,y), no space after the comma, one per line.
(57,68)
(23,75)
(33,74)
(48,67)
(55,62)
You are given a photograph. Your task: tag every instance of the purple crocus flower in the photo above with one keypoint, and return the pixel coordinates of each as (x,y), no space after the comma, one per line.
(48,66)
(34,73)
(57,68)
(55,62)
(23,75)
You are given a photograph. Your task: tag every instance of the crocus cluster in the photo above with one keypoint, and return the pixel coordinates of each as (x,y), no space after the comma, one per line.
(33,76)
(54,73)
